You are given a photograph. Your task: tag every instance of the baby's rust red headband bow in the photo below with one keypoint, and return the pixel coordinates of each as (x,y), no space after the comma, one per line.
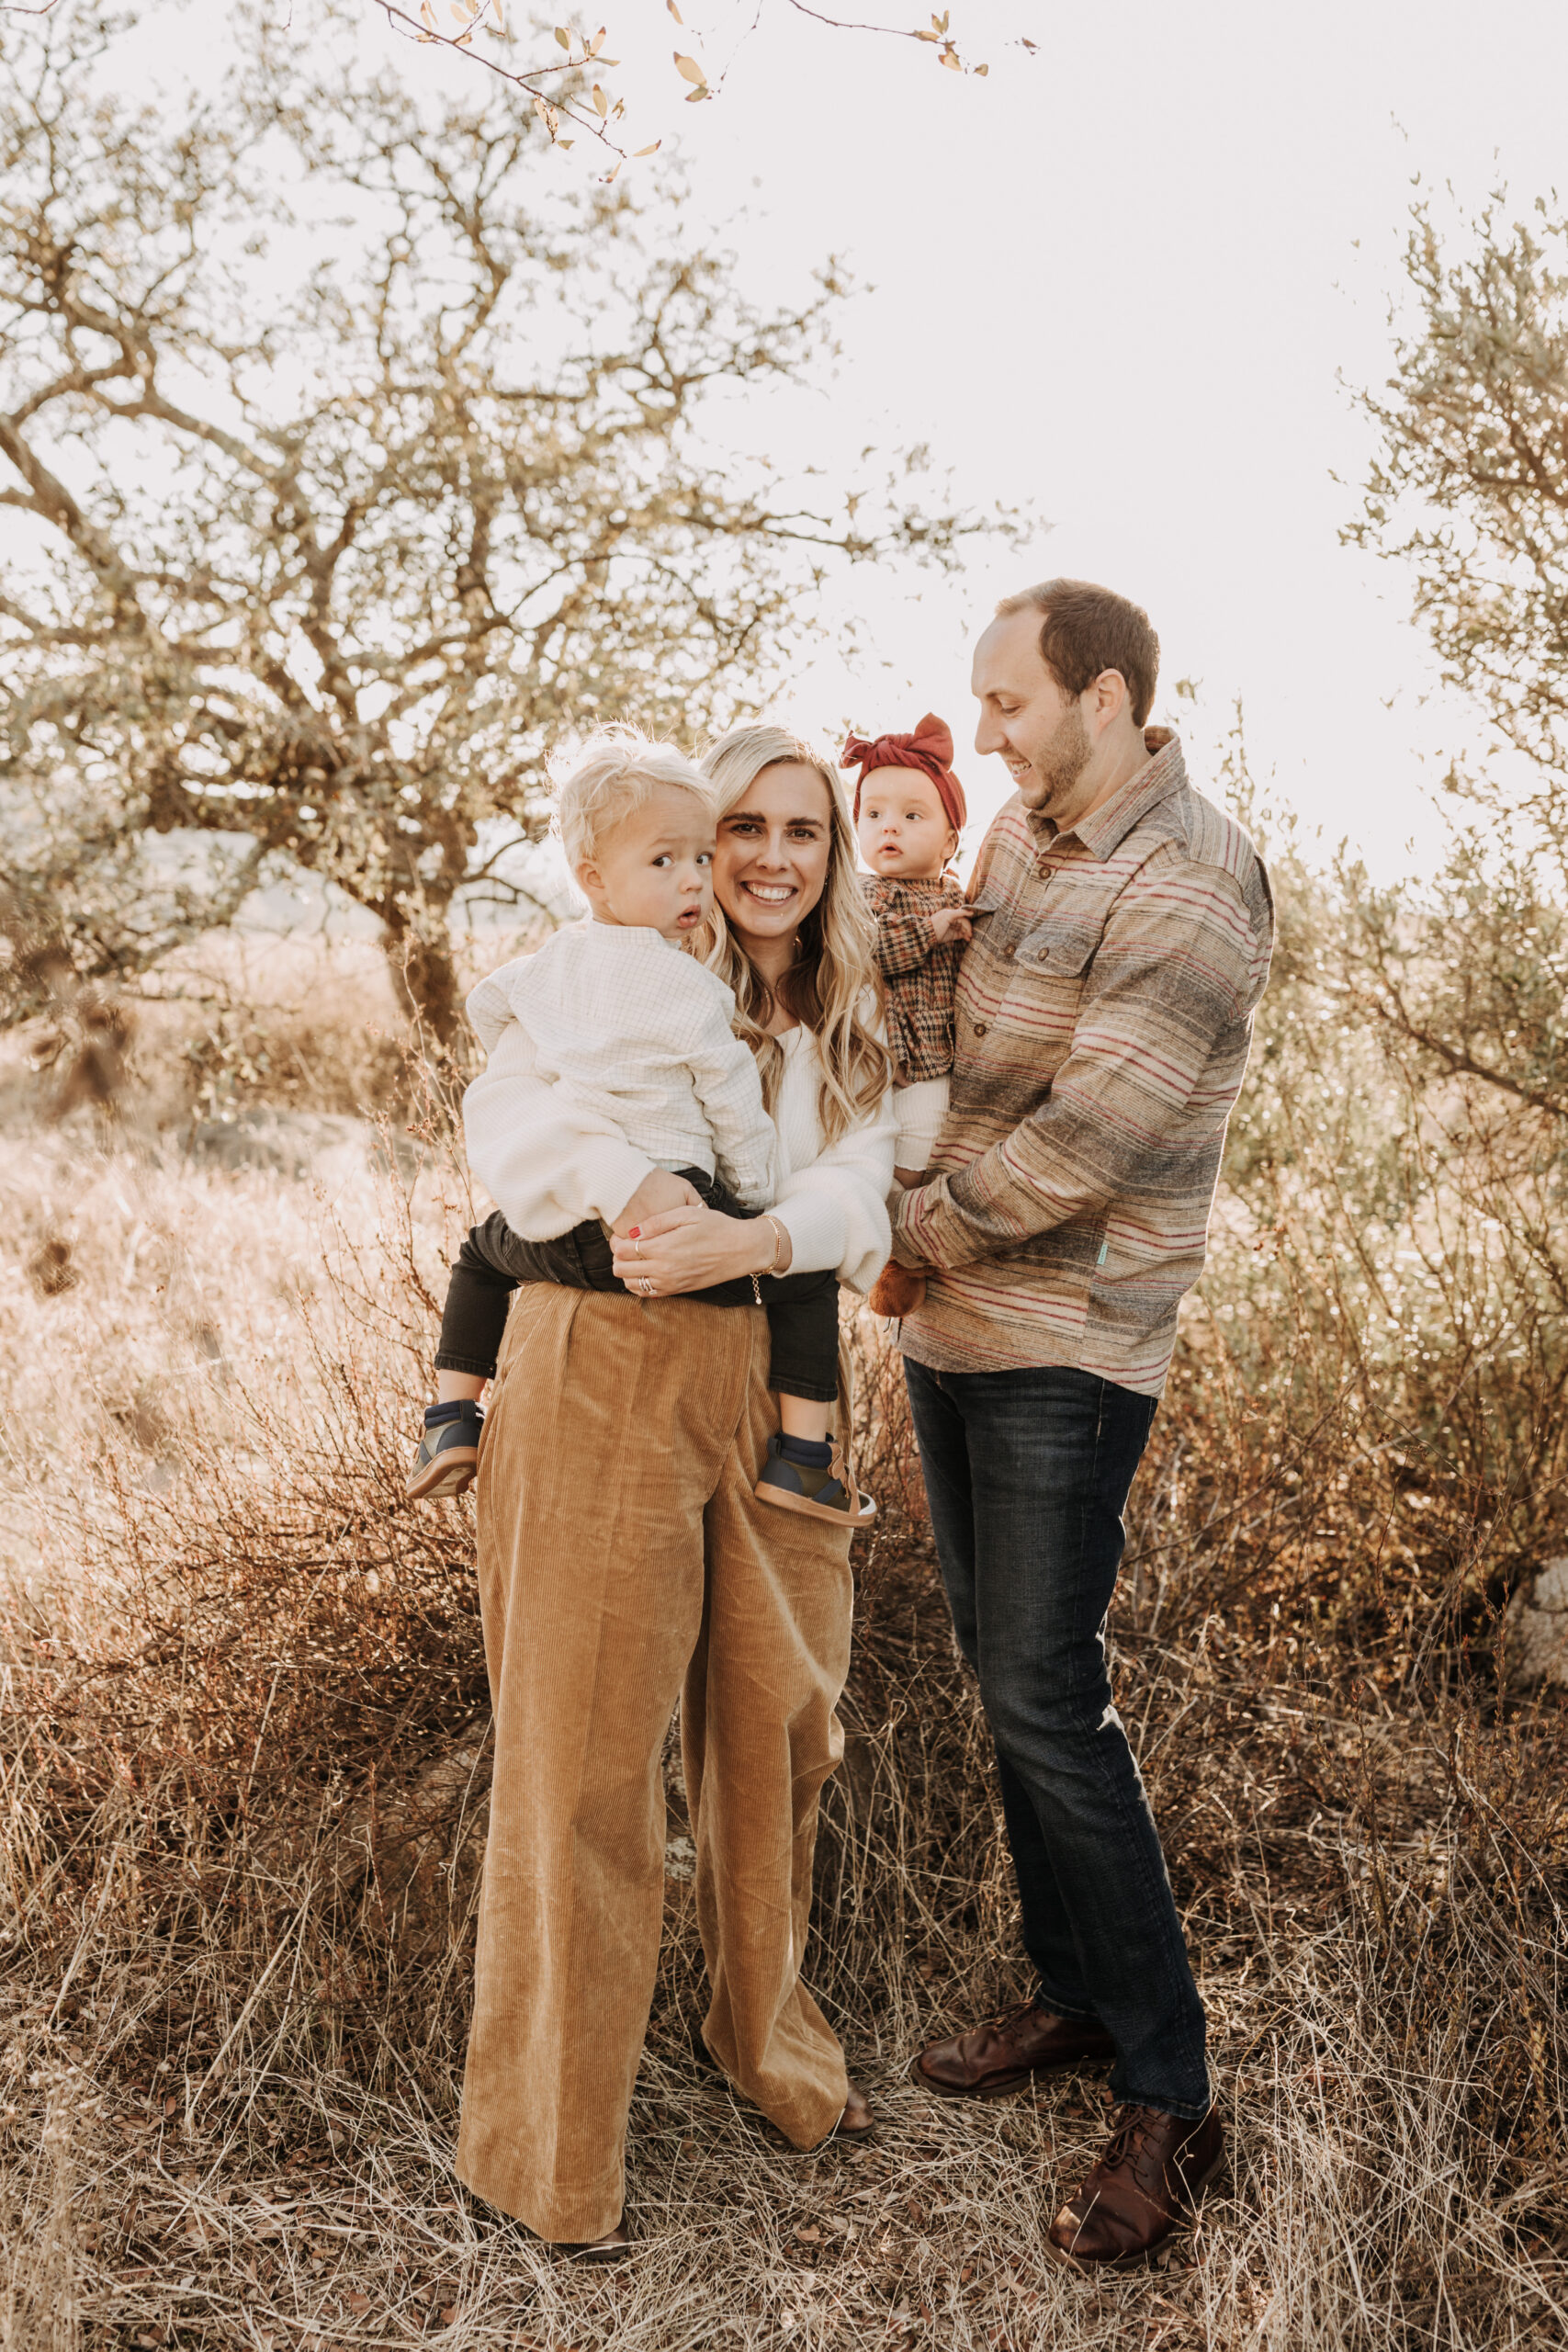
(928,750)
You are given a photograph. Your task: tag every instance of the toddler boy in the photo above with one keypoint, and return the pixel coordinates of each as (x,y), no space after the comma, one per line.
(639,1032)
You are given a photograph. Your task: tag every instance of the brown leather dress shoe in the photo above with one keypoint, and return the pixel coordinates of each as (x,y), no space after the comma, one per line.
(1153,2170)
(1000,2056)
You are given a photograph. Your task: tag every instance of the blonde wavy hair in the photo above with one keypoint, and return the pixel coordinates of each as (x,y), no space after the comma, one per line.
(613,776)
(826,988)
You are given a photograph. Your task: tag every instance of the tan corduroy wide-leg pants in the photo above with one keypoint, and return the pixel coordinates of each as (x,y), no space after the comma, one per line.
(624,1561)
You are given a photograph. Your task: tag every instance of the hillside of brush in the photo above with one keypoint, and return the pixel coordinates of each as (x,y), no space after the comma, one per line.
(243,1751)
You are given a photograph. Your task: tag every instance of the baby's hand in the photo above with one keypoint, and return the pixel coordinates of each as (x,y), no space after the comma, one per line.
(951,923)
(660,1189)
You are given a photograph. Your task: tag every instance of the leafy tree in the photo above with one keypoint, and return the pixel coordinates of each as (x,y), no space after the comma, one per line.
(1469,491)
(359,464)
(1470,485)
(566,77)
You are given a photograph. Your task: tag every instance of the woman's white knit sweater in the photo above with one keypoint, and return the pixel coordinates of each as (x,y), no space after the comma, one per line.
(549,1159)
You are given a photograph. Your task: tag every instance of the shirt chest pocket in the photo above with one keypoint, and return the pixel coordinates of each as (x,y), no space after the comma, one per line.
(1008,1049)
(1046,971)
(1057,950)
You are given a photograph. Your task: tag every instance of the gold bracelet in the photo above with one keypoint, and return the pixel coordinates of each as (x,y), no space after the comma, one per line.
(778,1245)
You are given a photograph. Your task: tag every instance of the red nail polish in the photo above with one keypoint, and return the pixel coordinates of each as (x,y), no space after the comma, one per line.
(634,1234)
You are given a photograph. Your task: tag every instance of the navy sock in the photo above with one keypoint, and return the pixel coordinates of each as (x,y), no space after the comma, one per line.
(436,1415)
(807,1452)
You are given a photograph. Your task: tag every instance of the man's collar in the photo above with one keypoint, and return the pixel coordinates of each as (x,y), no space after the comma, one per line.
(1104,831)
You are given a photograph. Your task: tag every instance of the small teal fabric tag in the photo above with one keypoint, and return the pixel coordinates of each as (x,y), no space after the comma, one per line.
(1103,1247)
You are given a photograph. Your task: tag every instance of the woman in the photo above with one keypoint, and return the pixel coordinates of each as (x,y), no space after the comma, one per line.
(625,1562)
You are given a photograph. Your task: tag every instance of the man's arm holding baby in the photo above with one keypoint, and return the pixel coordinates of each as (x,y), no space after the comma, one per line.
(1175,968)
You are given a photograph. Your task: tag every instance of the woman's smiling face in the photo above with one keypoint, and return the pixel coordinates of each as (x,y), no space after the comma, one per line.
(771,866)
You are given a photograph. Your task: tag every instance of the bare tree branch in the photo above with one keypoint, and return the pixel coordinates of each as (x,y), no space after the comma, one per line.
(334,576)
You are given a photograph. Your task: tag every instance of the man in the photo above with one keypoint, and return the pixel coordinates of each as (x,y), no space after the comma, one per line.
(1104,1015)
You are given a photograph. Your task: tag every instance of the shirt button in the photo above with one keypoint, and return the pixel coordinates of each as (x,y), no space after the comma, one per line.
(980,1028)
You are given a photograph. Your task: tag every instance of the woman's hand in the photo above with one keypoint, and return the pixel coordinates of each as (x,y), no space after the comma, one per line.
(659,1190)
(688,1248)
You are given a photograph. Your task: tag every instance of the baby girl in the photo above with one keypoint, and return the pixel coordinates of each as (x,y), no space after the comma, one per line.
(909,812)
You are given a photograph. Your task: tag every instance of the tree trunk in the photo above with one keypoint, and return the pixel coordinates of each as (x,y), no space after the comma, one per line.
(426,976)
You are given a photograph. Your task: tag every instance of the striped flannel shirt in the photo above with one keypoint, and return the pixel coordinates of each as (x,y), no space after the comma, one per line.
(919,973)
(1104,1016)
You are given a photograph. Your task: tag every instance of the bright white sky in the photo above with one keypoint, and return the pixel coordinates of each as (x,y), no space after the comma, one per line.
(1118,282)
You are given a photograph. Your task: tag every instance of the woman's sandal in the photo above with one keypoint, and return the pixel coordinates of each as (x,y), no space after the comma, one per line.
(614,2247)
(857,2122)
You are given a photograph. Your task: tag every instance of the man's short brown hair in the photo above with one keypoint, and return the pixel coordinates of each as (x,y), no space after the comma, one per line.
(1085,629)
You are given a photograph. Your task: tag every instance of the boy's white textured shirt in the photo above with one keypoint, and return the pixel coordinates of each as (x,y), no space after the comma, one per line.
(549,1159)
(641,1033)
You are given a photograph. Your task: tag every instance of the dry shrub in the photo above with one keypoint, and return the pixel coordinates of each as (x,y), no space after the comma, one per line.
(243,1019)
(244,1773)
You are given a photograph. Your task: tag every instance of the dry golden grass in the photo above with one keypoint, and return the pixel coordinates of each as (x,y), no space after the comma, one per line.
(236,1901)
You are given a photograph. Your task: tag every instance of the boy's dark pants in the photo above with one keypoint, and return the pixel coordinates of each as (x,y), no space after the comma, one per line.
(803,1310)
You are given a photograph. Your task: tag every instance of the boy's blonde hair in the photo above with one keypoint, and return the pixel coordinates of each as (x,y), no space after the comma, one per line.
(611,777)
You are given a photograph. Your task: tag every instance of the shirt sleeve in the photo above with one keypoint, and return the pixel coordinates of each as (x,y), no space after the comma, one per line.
(547,1159)
(724,1078)
(489,1006)
(904,940)
(1180,963)
(835,1210)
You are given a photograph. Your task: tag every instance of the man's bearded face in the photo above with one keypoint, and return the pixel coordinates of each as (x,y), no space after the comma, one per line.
(1029,719)
(1056,763)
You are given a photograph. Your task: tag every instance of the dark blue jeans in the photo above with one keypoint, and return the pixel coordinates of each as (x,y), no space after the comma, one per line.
(1028,1473)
